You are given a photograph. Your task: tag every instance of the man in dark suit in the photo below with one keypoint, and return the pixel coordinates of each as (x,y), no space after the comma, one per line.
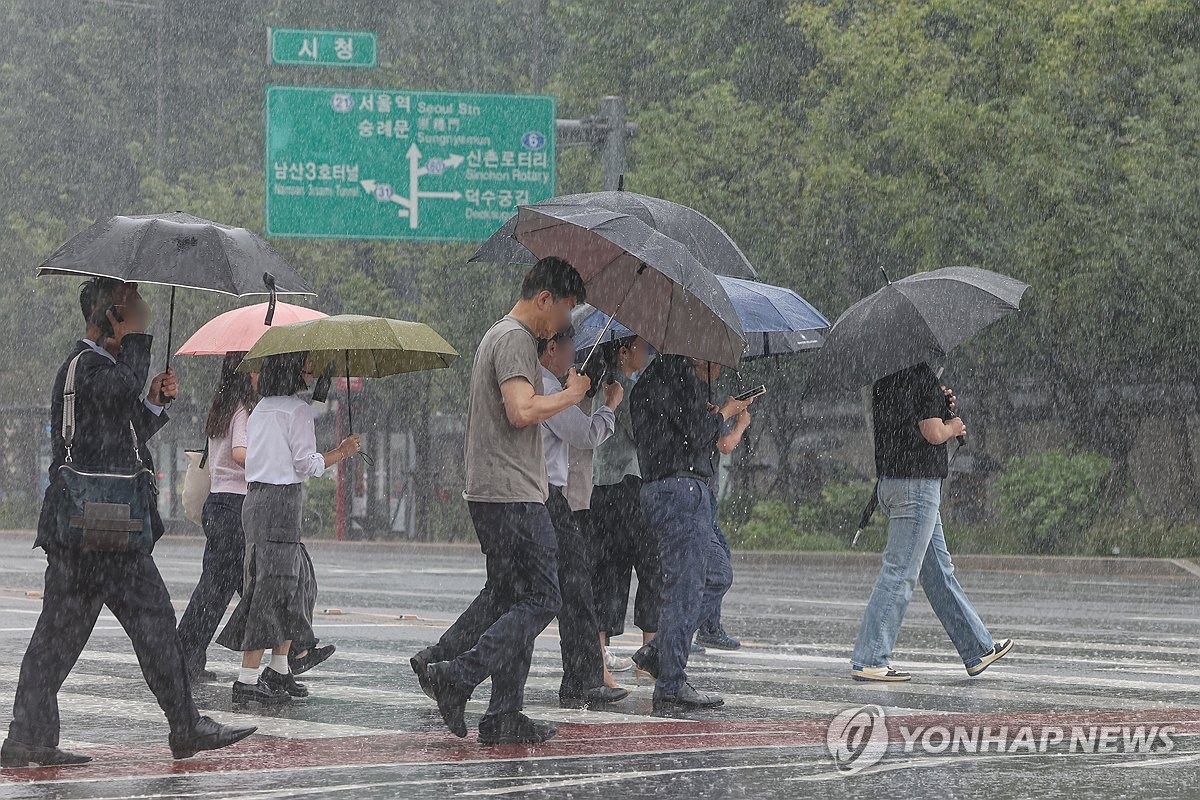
(109,378)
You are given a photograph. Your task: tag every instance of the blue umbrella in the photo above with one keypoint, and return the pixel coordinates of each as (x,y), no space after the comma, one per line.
(775,319)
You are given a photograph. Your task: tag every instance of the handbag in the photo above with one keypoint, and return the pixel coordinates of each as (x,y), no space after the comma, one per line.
(103,511)
(197,484)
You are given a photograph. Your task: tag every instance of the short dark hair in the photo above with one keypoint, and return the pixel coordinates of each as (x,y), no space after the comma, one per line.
(96,293)
(556,276)
(282,375)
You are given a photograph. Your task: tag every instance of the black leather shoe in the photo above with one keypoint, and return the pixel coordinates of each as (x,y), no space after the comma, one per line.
(259,692)
(420,663)
(687,697)
(314,656)
(207,735)
(591,698)
(14,754)
(287,683)
(646,659)
(202,676)
(451,701)
(514,728)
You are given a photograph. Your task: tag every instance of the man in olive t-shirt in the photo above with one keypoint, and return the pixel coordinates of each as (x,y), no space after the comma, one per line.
(506,493)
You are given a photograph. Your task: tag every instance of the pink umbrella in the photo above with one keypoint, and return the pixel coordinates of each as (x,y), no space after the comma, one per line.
(238,330)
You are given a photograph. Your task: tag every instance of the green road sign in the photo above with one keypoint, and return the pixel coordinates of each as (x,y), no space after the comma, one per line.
(297,47)
(401,164)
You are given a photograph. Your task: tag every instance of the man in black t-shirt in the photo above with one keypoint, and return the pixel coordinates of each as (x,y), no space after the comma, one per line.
(914,420)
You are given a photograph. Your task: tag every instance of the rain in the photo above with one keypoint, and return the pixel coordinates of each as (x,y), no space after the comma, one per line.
(549,398)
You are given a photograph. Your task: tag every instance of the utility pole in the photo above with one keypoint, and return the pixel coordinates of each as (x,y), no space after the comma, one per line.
(608,133)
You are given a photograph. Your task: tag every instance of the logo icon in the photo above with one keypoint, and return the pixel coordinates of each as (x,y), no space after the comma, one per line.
(533,140)
(857,738)
(342,103)
(435,166)
(383,192)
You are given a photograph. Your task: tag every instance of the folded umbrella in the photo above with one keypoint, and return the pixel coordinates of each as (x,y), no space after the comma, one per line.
(239,330)
(177,250)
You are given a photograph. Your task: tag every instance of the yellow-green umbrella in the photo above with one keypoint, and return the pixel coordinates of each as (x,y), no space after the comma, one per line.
(356,346)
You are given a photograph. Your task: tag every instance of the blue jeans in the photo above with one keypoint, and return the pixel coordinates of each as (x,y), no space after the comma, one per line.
(680,509)
(718,576)
(916,548)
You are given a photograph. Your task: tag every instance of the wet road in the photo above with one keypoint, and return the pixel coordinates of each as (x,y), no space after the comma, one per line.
(1097,645)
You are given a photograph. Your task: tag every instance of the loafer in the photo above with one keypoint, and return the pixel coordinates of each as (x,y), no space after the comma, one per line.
(646,659)
(514,728)
(14,754)
(420,663)
(451,700)
(287,683)
(202,676)
(314,656)
(978,665)
(591,698)
(259,692)
(207,735)
(687,697)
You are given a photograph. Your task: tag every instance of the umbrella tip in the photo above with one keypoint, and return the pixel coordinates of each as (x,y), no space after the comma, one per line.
(885,276)
(621,182)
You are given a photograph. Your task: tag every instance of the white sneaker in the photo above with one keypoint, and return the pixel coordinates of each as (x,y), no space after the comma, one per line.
(884,674)
(998,651)
(616,663)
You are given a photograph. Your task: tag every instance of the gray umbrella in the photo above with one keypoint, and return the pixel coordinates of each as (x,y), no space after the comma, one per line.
(646,280)
(702,237)
(177,250)
(917,319)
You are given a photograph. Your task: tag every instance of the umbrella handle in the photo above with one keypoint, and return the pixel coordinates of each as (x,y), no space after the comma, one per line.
(269,282)
(170,329)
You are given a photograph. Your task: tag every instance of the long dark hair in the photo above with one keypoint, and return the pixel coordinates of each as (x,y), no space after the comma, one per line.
(282,375)
(233,392)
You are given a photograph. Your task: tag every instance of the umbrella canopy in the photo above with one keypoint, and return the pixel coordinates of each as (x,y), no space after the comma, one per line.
(653,284)
(703,238)
(357,346)
(175,250)
(239,330)
(775,320)
(917,319)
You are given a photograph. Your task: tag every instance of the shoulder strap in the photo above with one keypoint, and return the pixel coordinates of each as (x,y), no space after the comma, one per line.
(69,412)
(68,424)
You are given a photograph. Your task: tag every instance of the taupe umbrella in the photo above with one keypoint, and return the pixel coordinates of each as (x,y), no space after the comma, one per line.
(357,346)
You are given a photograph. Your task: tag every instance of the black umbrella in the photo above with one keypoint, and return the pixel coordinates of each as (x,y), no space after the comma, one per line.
(914,320)
(644,279)
(702,237)
(918,319)
(177,250)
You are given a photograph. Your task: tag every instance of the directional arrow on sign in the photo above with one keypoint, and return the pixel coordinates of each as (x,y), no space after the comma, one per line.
(415,171)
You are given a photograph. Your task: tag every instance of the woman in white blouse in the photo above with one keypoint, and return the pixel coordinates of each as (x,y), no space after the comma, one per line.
(280,587)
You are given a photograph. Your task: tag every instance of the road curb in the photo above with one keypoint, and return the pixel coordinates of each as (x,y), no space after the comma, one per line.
(1030,565)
